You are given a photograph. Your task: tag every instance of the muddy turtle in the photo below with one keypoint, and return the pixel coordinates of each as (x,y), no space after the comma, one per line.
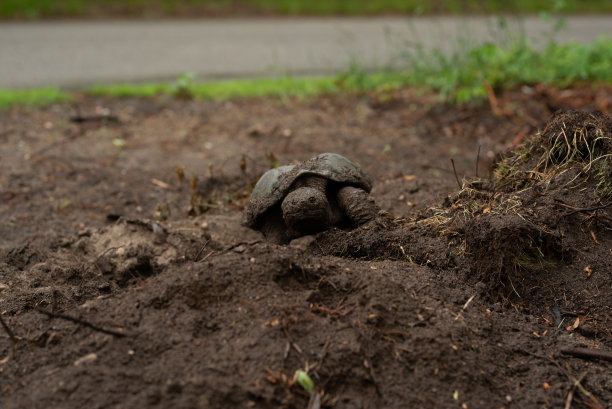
(309,197)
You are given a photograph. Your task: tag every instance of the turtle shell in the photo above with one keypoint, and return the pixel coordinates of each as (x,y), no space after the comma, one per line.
(274,185)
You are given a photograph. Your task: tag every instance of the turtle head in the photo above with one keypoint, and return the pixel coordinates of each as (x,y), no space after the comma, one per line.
(306,210)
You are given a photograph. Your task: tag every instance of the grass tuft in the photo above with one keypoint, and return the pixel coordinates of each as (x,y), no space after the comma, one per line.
(464,78)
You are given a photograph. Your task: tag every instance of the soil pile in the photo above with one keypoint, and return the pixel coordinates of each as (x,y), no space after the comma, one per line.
(123,285)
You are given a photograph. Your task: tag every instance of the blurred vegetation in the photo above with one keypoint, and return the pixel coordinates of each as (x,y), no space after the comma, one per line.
(465,77)
(32,97)
(37,9)
(458,78)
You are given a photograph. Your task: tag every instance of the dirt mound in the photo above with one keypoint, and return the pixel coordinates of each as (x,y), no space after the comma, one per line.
(543,221)
(546,219)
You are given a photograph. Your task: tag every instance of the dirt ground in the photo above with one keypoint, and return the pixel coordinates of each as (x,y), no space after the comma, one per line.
(127,280)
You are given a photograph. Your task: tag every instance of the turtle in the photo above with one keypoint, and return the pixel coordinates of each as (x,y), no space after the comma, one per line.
(309,197)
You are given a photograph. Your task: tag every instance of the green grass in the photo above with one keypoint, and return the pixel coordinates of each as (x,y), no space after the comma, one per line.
(459,78)
(36,9)
(33,98)
(351,81)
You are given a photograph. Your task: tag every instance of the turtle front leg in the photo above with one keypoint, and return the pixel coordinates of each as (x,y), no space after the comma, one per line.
(359,207)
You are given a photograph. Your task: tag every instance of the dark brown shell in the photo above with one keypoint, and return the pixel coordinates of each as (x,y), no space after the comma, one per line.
(274,185)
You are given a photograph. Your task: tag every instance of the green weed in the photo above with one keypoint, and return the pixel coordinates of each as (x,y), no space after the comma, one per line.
(182,87)
(464,78)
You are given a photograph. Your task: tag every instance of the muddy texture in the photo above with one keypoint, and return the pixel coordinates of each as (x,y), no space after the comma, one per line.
(127,279)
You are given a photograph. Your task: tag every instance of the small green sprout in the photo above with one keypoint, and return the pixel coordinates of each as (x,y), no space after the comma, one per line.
(119,143)
(304,380)
(182,87)
(65,203)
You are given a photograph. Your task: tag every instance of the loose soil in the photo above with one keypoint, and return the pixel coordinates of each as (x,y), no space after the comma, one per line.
(127,280)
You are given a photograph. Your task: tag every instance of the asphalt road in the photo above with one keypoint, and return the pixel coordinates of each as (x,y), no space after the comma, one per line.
(77,54)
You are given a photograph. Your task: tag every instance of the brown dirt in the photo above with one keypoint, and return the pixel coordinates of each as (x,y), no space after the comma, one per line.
(463,299)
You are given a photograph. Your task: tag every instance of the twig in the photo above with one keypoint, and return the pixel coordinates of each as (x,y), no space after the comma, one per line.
(587,353)
(455,171)
(570,394)
(586,393)
(576,383)
(206,257)
(80,321)
(200,251)
(468,302)
(8,330)
(162,184)
(293,344)
(560,203)
(588,209)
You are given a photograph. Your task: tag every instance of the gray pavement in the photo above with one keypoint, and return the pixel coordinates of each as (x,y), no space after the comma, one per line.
(77,54)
